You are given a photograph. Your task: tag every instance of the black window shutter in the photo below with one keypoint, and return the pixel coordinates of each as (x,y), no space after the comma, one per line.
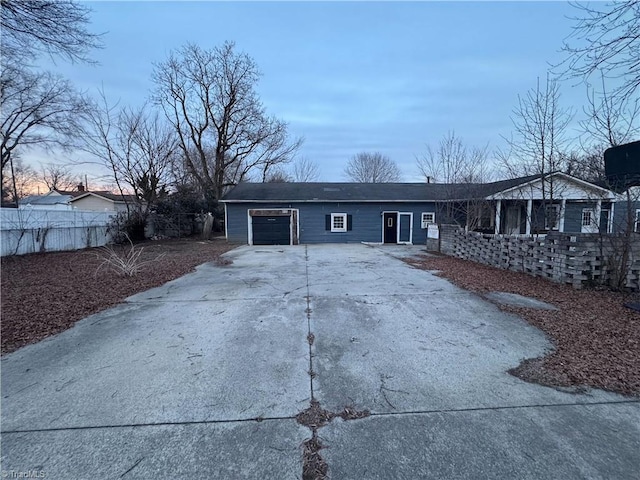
(349,222)
(327,222)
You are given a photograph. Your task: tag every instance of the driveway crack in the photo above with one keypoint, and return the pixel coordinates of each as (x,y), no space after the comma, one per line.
(132,467)
(314,467)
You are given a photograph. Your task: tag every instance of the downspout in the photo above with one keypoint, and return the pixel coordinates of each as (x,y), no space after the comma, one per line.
(226,223)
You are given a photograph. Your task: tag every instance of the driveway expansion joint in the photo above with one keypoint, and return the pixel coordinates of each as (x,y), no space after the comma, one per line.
(504,407)
(314,467)
(151,424)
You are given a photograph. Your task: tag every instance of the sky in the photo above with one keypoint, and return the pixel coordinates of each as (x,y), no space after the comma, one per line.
(348,77)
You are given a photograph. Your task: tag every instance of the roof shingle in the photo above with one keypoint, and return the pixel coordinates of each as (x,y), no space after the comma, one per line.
(366,192)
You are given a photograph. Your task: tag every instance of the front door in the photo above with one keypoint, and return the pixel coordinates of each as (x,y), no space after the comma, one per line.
(512,226)
(589,221)
(390,229)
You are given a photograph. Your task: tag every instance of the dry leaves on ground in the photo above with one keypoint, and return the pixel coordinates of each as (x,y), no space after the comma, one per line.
(44,294)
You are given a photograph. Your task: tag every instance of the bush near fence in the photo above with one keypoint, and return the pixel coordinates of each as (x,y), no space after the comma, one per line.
(575,259)
(177,225)
(24,231)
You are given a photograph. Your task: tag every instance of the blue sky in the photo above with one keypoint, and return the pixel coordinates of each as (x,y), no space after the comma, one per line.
(351,76)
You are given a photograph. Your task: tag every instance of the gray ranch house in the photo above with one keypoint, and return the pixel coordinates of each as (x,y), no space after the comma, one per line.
(400,213)
(293,213)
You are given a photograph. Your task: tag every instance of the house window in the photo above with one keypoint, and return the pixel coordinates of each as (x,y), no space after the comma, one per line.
(552,217)
(427,218)
(338,222)
(586,218)
(637,222)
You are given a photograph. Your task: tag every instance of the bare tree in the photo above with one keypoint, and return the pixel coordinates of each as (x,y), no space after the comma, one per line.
(605,38)
(38,109)
(139,148)
(540,124)
(587,164)
(539,144)
(305,170)
(366,167)
(609,120)
(224,132)
(18,181)
(57,177)
(278,175)
(53,27)
(453,162)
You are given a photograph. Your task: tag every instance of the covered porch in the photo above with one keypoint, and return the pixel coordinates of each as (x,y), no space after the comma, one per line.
(557,202)
(528,217)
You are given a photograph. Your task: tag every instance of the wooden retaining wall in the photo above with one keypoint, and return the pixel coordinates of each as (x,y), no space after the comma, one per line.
(575,259)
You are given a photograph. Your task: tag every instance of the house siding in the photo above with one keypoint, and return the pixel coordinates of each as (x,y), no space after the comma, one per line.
(573,215)
(366,220)
(621,218)
(94,203)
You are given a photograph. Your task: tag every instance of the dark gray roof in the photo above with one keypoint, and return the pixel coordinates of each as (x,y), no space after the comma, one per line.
(483,190)
(366,192)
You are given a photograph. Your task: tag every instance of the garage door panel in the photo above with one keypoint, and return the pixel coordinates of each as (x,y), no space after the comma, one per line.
(271,230)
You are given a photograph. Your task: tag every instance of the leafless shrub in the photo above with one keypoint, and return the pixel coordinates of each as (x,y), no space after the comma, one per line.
(223,262)
(124,261)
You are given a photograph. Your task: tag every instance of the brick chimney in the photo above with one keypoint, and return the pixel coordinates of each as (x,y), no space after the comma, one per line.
(80,187)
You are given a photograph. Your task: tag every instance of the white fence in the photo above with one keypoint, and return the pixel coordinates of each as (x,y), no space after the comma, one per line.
(25,231)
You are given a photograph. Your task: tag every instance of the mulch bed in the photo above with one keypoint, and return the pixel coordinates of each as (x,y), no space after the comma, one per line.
(596,338)
(44,294)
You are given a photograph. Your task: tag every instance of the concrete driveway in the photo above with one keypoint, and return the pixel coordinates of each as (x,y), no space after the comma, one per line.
(203,377)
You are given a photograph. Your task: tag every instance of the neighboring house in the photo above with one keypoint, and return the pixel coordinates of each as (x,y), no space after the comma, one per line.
(53,200)
(97,201)
(102,201)
(292,213)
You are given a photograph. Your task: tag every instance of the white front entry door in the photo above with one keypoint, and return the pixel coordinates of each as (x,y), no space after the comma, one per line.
(589,221)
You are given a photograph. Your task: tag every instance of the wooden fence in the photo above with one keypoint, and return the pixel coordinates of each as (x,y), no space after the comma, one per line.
(575,259)
(25,231)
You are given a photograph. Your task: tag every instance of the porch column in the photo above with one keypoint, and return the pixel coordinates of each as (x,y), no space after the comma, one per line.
(529,209)
(466,227)
(498,207)
(563,206)
(612,218)
(598,212)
